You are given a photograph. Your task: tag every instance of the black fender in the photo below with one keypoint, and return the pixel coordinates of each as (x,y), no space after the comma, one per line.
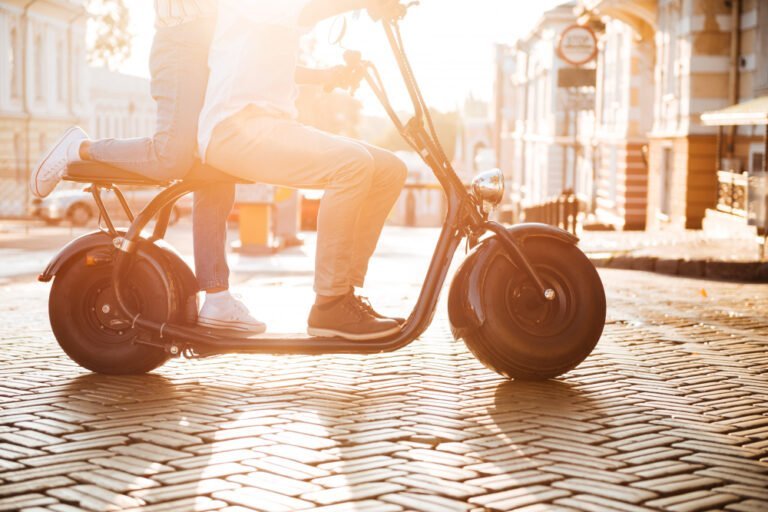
(161,254)
(465,308)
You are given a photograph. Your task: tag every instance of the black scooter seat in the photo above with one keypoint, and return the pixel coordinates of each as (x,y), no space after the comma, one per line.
(100,173)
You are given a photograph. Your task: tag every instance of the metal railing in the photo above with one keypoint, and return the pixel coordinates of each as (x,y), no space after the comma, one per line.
(562,212)
(732,193)
(14,191)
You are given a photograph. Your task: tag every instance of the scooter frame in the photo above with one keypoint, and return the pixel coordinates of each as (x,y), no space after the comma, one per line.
(465,219)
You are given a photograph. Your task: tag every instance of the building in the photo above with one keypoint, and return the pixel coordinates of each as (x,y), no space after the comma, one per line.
(706,55)
(43,86)
(120,106)
(474,140)
(543,131)
(624,108)
(46,86)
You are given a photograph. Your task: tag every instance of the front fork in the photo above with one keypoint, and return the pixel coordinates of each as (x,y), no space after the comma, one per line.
(520,259)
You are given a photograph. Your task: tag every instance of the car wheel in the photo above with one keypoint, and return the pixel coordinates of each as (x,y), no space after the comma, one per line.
(79,215)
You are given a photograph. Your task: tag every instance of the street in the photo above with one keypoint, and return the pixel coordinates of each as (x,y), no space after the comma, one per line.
(669,413)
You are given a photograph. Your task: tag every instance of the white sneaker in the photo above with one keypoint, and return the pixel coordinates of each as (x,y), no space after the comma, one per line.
(53,164)
(224,312)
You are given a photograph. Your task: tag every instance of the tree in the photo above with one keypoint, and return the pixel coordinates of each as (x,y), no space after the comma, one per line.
(109,38)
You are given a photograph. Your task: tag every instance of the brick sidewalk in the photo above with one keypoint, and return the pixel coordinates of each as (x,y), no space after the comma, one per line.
(670,413)
(685,253)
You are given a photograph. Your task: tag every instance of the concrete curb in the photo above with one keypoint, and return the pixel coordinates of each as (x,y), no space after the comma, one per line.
(739,271)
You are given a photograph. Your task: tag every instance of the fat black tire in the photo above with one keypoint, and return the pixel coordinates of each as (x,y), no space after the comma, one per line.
(529,339)
(105,343)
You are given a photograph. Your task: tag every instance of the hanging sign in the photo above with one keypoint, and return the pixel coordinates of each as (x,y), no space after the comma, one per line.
(577,45)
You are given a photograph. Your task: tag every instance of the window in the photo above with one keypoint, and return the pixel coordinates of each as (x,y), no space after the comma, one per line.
(39,53)
(756,161)
(761,71)
(14,64)
(61,72)
(665,184)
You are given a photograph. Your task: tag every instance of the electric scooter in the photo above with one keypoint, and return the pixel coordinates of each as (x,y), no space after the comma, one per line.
(526,301)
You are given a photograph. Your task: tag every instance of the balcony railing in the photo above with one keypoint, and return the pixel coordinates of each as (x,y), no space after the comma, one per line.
(732,193)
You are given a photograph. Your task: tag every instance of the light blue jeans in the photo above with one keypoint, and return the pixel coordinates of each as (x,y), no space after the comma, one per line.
(179,69)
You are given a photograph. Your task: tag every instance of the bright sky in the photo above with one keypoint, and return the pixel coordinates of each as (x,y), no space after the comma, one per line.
(450,44)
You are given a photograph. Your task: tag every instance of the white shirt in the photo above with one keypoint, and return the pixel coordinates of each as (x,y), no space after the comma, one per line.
(252,61)
(170,13)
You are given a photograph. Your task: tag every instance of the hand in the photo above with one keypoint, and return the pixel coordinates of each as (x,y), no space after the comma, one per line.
(344,77)
(386,9)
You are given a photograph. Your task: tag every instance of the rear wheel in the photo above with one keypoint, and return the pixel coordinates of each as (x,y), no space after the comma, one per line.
(527,337)
(89,327)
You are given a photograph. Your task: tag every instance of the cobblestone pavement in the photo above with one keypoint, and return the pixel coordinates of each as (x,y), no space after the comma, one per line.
(669,413)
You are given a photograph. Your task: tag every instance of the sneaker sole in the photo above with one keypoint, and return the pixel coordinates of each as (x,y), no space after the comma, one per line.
(230,327)
(48,155)
(330,333)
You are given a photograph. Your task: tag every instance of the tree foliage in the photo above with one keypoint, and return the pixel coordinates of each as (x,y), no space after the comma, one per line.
(109,35)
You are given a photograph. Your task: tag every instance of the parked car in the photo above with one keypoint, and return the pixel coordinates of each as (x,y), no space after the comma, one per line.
(77,207)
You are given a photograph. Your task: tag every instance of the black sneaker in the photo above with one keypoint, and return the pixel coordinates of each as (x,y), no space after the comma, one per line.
(368,307)
(348,319)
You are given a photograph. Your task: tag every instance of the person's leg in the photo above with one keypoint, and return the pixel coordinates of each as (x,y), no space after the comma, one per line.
(286,153)
(282,152)
(389,177)
(179,71)
(209,217)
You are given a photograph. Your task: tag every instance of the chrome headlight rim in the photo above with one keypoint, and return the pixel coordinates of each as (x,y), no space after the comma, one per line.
(488,189)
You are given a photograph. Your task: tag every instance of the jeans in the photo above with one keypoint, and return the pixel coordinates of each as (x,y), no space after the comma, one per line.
(179,69)
(362,183)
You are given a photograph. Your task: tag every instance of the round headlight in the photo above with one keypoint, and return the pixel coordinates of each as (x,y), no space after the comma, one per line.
(488,188)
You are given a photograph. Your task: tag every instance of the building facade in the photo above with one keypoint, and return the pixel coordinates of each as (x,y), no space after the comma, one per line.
(43,86)
(543,131)
(705,55)
(46,86)
(624,110)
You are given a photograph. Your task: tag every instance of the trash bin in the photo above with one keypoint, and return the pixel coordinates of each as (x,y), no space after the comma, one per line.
(254,204)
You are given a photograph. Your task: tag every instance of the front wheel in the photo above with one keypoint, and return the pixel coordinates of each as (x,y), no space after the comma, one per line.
(527,337)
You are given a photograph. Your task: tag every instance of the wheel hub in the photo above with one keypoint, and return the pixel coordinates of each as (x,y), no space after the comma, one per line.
(535,314)
(107,311)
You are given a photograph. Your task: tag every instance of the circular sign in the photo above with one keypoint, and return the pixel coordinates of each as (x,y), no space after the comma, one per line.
(578,45)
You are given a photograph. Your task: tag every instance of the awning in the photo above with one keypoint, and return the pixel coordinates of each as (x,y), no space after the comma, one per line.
(748,113)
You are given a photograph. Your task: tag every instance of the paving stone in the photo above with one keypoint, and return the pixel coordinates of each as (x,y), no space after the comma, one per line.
(352,493)
(669,409)
(606,490)
(34,486)
(360,506)
(359,477)
(520,497)
(132,465)
(694,501)
(113,480)
(187,490)
(592,503)
(196,504)
(205,472)
(46,471)
(276,483)
(426,503)
(27,501)
(91,497)
(512,480)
